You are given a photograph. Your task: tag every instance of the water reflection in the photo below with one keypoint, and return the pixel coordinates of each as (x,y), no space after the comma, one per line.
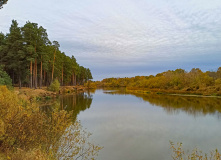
(173,104)
(132,129)
(140,126)
(75,103)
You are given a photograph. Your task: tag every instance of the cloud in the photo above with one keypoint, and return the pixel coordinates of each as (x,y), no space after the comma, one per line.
(104,33)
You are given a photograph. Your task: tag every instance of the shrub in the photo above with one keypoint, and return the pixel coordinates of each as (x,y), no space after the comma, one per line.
(27,127)
(27,133)
(55,86)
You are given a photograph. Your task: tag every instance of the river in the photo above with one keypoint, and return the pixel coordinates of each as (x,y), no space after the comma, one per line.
(141,127)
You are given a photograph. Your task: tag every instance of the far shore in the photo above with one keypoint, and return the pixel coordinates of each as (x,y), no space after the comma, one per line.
(174,93)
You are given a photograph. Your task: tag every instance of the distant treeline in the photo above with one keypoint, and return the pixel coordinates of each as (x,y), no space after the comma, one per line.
(192,105)
(32,60)
(170,80)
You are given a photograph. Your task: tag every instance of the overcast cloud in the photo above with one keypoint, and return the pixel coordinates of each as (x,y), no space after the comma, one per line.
(124,38)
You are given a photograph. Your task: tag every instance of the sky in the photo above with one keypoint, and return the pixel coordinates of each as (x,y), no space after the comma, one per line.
(125,38)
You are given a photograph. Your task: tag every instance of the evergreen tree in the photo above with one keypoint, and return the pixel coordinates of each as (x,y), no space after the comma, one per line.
(5,78)
(2,46)
(88,74)
(56,46)
(30,58)
(14,60)
(42,41)
(29,32)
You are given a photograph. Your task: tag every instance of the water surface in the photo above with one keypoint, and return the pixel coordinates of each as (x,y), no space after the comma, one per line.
(141,126)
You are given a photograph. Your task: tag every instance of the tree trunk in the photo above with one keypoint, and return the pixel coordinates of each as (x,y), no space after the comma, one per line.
(19,80)
(36,77)
(75,79)
(31,74)
(33,77)
(40,85)
(62,73)
(53,66)
(44,77)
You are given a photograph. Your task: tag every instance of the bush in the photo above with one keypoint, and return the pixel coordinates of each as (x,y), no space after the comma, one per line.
(55,86)
(28,133)
(27,127)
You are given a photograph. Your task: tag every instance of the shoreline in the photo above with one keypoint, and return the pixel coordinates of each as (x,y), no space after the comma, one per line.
(194,95)
(163,92)
(30,93)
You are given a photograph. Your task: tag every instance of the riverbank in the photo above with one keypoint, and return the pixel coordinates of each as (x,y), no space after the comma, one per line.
(29,94)
(196,93)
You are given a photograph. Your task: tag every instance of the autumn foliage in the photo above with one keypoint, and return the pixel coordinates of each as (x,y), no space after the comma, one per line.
(178,153)
(26,131)
(194,81)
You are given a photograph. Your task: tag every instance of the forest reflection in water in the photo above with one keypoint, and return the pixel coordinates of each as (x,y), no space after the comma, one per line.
(143,129)
(72,103)
(75,143)
(173,104)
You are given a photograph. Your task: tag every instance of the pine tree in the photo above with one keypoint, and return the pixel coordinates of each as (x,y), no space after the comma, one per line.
(56,46)
(15,57)
(29,58)
(30,36)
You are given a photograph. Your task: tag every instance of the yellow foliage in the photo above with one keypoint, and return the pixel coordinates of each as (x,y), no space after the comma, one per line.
(206,83)
(218,82)
(91,85)
(27,132)
(179,154)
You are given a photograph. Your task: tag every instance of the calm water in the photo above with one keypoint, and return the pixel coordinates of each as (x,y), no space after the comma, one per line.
(140,127)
